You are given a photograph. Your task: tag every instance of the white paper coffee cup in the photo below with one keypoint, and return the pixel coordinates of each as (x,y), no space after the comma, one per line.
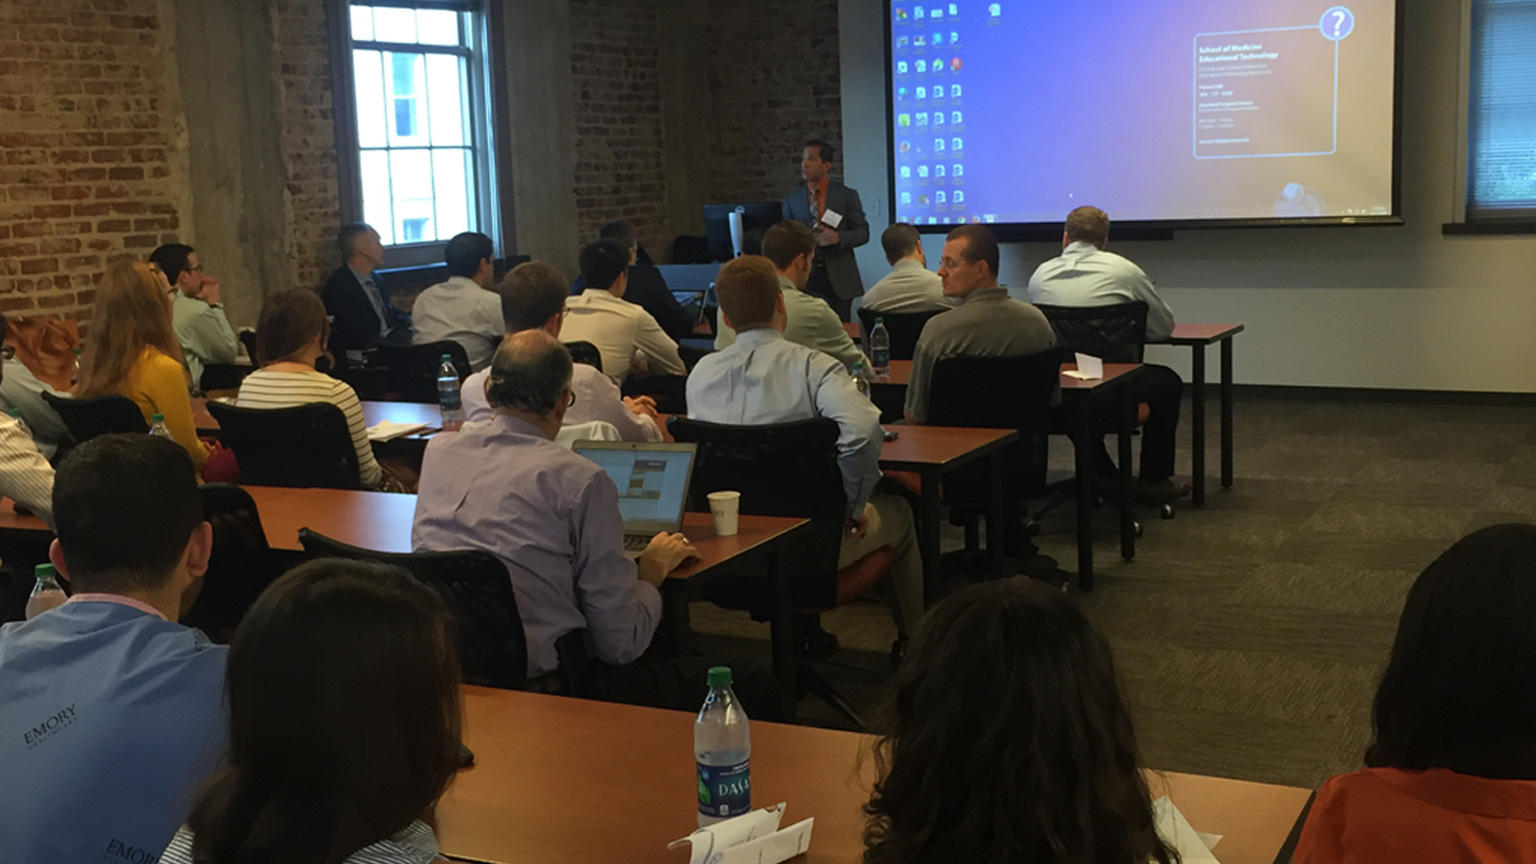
(725,507)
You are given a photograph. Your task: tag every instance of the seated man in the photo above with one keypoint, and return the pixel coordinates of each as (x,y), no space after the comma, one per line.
(21,391)
(361,311)
(533,298)
(644,284)
(553,518)
(1087,275)
(791,247)
(462,309)
(910,287)
(201,326)
(624,333)
(111,714)
(763,378)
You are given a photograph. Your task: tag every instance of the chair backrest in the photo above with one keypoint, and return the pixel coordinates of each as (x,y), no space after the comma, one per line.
(904,328)
(248,339)
(585,352)
(475,587)
(1116,334)
(100,415)
(307,445)
(413,368)
(242,564)
(781,469)
(995,392)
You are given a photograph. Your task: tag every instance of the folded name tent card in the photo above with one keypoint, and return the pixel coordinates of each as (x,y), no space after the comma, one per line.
(1192,846)
(751,838)
(385,430)
(1089,368)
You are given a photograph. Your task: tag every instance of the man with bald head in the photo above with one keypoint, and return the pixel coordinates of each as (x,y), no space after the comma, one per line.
(552,517)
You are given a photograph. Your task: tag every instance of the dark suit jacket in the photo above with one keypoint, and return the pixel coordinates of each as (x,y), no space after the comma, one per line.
(852,232)
(354,324)
(648,290)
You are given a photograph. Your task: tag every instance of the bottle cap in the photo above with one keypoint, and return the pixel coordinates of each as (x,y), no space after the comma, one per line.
(719,676)
(879,321)
(447,358)
(157,418)
(44,571)
(16,412)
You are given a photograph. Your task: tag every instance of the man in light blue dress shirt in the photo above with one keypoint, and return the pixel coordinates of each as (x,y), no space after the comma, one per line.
(763,378)
(111,714)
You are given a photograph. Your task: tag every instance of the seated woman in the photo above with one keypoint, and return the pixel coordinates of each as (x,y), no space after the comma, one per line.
(290,336)
(1006,740)
(330,646)
(1451,776)
(132,351)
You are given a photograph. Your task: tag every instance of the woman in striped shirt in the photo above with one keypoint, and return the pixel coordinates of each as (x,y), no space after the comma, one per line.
(290,337)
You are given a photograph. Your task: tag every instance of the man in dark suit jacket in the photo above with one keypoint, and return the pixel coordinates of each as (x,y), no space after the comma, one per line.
(361,312)
(647,287)
(835,273)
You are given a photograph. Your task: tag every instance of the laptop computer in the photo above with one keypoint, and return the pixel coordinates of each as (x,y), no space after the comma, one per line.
(653,485)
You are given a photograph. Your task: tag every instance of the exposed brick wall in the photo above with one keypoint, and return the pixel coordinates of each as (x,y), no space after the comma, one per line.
(619,170)
(774,83)
(308,139)
(86,147)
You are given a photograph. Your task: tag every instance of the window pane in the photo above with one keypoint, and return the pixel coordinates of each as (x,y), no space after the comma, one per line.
(407,109)
(368,70)
(411,171)
(362,23)
(446,97)
(376,207)
(451,172)
(395,25)
(1502,142)
(438,27)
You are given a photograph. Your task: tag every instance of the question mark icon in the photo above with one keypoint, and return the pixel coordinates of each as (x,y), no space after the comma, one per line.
(1337,23)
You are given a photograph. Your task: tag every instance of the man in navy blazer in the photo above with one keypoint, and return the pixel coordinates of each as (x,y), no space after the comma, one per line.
(361,312)
(835,272)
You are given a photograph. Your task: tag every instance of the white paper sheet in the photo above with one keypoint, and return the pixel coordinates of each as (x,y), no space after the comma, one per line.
(751,838)
(384,430)
(1089,368)
(1177,832)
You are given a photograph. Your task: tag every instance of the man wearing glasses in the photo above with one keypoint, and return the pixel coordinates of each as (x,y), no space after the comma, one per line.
(205,335)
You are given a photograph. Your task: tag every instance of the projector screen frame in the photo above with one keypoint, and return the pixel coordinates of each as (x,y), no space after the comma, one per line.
(1160,229)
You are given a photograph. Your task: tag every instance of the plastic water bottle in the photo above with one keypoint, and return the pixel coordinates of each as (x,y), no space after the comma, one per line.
(448,395)
(861,377)
(46,594)
(880,348)
(722,750)
(157,426)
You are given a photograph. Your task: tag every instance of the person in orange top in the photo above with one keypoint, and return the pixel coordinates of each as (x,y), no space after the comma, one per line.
(1451,776)
(132,351)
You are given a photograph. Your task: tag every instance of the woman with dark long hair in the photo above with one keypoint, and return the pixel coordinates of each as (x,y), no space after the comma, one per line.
(1451,776)
(343,692)
(1007,741)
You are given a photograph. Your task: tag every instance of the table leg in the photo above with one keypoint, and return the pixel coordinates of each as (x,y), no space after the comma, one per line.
(996,516)
(782,629)
(1083,449)
(1197,423)
(1226,413)
(930,509)
(1127,484)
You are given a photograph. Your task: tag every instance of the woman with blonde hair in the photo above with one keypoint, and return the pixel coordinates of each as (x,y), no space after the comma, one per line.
(132,351)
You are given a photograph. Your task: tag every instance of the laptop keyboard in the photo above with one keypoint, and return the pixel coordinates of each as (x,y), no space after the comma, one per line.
(636,542)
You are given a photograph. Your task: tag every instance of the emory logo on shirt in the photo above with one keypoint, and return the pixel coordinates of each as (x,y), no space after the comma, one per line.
(48,728)
(117,850)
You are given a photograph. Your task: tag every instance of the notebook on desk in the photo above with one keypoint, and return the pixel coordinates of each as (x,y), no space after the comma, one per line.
(653,485)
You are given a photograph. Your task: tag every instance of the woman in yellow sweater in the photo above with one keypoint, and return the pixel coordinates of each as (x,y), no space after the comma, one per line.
(133,351)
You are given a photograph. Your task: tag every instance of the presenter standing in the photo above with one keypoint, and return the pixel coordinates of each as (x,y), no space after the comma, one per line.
(834,214)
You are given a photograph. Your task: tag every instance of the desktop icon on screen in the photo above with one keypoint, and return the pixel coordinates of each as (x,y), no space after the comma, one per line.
(917,12)
(954,91)
(922,119)
(957,145)
(903,41)
(957,171)
(905,146)
(938,39)
(954,36)
(922,92)
(938,170)
(920,41)
(901,92)
(903,120)
(995,9)
(901,14)
(906,197)
(901,67)
(936,13)
(955,117)
(955,64)
(938,198)
(906,172)
(938,145)
(922,171)
(923,200)
(954,8)
(922,66)
(938,118)
(959,197)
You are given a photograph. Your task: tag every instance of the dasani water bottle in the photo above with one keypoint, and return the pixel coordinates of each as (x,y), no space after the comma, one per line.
(448,395)
(722,750)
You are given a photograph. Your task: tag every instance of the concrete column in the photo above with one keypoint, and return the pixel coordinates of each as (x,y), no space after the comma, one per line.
(684,67)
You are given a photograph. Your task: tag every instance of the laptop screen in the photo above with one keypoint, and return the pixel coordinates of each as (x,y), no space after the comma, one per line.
(652,481)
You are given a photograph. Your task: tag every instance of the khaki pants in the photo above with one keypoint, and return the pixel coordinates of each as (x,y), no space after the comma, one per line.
(890,524)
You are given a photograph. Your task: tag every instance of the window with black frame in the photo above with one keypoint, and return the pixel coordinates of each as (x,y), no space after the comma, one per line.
(1501,141)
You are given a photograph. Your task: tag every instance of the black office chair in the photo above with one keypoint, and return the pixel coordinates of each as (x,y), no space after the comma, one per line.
(100,415)
(412,375)
(242,565)
(783,469)
(585,352)
(475,587)
(248,339)
(307,445)
(223,376)
(904,328)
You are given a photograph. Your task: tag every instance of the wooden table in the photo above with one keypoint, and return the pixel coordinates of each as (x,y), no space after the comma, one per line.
(560,780)
(931,452)
(425,413)
(1080,397)
(852,329)
(1196,337)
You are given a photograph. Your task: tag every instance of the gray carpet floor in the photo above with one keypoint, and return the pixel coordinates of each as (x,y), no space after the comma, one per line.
(1250,633)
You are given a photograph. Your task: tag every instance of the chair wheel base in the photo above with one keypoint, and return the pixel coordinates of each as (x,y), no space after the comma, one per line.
(1165,511)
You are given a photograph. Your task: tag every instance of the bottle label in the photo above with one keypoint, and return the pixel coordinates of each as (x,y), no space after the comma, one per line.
(725,790)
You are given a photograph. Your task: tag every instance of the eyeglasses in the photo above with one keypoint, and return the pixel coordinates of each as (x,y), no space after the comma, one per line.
(7,352)
(572,399)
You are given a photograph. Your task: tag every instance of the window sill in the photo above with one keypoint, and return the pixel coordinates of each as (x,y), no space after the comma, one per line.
(1489,227)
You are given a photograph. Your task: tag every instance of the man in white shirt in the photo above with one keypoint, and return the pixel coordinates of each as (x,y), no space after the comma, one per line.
(764,378)
(626,335)
(196,312)
(1086,275)
(533,298)
(462,309)
(809,321)
(910,287)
